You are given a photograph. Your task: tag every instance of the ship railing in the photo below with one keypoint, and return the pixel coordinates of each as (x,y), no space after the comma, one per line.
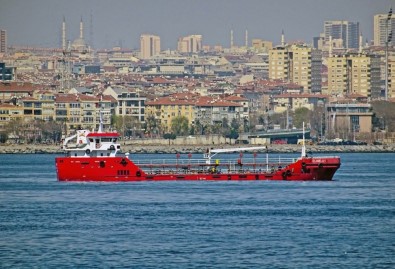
(201,166)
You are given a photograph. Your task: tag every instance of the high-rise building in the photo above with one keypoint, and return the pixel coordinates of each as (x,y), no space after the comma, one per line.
(346,31)
(298,64)
(190,44)
(354,74)
(382,27)
(149,46)
(3,41)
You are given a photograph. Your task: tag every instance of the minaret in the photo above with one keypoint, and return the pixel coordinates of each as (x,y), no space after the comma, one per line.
(246,39)
(282,39)
(231,38)
(64,34)
(81,29)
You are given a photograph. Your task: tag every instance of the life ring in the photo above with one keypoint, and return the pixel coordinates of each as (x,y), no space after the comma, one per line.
(88,151)
(138,173)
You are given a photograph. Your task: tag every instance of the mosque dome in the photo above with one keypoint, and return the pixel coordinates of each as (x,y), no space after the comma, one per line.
(79,44)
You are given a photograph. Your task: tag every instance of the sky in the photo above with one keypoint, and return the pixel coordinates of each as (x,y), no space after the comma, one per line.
(109,23)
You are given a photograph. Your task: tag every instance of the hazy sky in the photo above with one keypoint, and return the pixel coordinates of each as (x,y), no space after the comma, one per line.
(121,22)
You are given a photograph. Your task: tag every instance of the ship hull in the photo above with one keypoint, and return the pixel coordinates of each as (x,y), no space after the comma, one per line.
(118,169)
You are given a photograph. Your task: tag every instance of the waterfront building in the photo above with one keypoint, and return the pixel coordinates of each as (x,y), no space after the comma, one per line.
(345,119)
(129,102)
(346,31)
(165,109)
(149,46)
(382,28)
(190,44)
(78,111)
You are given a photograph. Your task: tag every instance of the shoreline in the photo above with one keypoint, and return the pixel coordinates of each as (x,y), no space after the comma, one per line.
(169,149)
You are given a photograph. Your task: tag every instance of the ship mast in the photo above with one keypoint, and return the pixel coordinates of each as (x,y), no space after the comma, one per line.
(100,116)
(303,144)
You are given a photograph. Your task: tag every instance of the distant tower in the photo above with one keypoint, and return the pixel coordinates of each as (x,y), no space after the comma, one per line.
(330,46)
(282,38)
(231,38)
(360,43)
(81,29)
(64,34)
(246,39)
(91,31)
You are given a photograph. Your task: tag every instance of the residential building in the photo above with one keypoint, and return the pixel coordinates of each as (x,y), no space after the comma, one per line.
(8,113)
(382,27)
(298,64)
(79,111)
(354,74)
(3,41)
(7,73)
(346,31)
(209,111)
(10,91)
(292,102)
(165,109)
(149,46)
(129,102)
(190,44)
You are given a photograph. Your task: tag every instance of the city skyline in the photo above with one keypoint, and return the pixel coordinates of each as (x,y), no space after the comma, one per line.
(122,22)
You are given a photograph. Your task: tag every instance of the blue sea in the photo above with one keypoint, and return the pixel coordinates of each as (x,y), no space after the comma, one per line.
(345,223)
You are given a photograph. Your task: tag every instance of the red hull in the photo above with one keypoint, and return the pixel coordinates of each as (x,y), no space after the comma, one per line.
(104,169)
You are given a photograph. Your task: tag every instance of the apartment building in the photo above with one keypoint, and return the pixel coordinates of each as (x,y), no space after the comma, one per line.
(79,111)
(298,64)
(3,41)
(382,27)
(149,46)
(129,102)
(165,109)
(354,74)
(190,44)
(210,111)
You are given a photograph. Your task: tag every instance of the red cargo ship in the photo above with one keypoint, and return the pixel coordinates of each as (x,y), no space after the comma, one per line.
(96,156)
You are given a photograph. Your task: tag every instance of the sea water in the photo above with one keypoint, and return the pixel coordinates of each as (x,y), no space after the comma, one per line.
(345,223)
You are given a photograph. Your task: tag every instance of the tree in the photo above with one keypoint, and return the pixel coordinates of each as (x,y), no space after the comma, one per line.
(301,115)
(180,126)
(169,136)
